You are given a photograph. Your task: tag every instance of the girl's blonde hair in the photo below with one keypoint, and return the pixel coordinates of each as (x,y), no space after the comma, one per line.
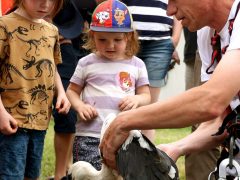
(57,6)
(132,42)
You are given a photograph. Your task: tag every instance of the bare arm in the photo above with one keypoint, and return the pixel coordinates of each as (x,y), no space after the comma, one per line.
(141,98)
(85,111)
(200,140)
(62,105)
(176,34)
(8,125)
(196,105)
(177,30)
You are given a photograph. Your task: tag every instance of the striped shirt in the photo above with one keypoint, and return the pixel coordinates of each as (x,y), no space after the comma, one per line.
(105,84)
(150,18)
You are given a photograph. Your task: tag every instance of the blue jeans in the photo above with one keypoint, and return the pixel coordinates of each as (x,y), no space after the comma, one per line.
(21,154)
(157,55)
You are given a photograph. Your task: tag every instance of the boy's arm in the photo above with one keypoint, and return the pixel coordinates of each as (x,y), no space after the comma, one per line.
(62,105)
(8,125)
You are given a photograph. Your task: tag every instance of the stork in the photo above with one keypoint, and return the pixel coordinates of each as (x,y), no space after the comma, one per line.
(137,159)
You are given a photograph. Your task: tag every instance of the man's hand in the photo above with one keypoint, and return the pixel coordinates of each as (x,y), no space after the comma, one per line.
(171,150)
(113,138)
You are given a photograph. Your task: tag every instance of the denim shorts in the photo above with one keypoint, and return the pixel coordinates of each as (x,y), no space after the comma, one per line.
(21,154)
(157,55)
(66,123)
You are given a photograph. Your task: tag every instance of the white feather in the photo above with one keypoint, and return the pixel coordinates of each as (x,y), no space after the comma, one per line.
(142,142)
(83,170)
(172,172)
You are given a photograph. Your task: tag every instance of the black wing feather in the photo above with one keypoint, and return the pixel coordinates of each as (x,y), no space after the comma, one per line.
(137,163)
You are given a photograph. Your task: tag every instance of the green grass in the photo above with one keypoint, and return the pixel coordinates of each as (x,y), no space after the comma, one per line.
(48,161)
(162,136)
(170,135)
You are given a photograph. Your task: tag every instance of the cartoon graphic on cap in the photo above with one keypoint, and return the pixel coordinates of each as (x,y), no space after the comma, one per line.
(120,16)
(111,16)
(102,16)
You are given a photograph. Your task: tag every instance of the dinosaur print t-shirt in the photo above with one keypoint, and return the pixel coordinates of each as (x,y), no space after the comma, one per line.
(29,53)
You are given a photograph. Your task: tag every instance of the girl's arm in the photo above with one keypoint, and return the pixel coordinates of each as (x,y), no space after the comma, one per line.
(141,98)
(62,105)
(85,111)
(143,95)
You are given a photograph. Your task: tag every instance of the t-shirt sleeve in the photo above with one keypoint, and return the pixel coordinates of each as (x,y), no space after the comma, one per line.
(142,75)
(57,50)
(78,75)
(4,47)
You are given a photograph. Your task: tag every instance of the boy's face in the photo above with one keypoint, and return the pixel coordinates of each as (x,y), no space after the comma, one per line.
(38,9)
(111,45)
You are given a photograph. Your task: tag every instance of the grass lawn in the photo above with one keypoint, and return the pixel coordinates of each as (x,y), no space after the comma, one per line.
(162,136)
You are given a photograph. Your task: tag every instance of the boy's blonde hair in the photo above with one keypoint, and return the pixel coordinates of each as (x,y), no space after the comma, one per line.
(132,42)
(57,6)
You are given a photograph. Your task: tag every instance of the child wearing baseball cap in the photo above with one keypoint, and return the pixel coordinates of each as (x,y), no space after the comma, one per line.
(109,80)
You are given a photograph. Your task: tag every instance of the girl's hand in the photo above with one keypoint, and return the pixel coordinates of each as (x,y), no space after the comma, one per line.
(87,112)
(128,102)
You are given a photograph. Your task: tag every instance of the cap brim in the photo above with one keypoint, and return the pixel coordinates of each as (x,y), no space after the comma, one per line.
(104,29)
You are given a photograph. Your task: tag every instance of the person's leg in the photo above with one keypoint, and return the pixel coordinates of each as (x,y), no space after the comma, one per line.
(64,124)
(63,151)
(157,57)
(13,152)
(200,165)
(34,154)
(63,142)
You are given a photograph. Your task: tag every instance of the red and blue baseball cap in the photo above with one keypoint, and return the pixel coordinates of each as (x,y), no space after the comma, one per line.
(111,16)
